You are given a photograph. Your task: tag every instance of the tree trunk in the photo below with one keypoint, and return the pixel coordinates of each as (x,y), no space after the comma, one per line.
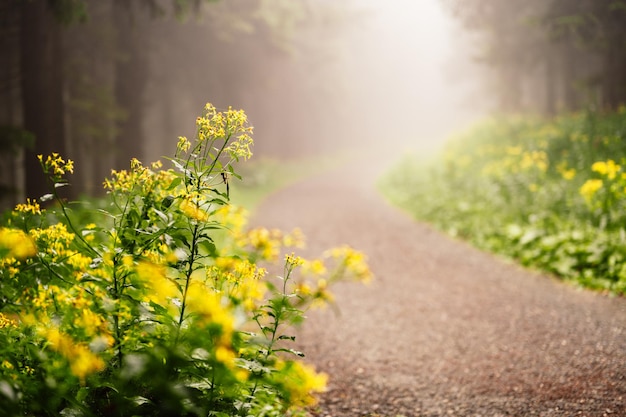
(42,89)
(551,84)
(614,79)
(130,83)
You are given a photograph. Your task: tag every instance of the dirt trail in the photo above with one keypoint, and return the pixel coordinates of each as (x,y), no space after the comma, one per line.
(445,329)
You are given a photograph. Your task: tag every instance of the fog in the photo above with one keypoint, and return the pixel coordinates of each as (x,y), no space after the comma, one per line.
(366,75)
(117,80)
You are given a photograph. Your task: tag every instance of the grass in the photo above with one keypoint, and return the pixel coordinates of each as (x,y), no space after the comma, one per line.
(263,176)
(550,194)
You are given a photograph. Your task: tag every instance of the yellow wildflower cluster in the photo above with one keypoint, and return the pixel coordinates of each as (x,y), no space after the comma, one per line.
(516,160)
(16,245)
(293,260)
(264,241)
(608,168)
(238,278)
(31,206)
(6,321)
(613,179)
(82,360)
(590,188)
(193,210)
(314,267)
(537,159)
(183,144)
(210,308)
(301,382)
(232,218)
(229,125)
(294,239)
(78,304)
(161,289)
(55,165)
(268,242)
(54,240)
(566,172)
(143,180)
(212,124)
(355,262)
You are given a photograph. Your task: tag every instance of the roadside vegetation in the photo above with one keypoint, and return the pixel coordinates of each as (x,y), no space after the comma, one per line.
(263,176)
(156,301)
(549,193)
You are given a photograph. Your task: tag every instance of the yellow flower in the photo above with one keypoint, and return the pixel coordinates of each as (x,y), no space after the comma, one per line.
(90,321)
(538,159)
(293,260)
(314,267)
(608,168)
(301,382)
(192,211)
(590,188)
(54,240)
(31,206)
(82,361)
(160,288)
(6,322)
(183,144)
(569,174)
(355,262)
(225,355)
(266,242)
(55,165)
(207,306)
(304,289)
(232,217)
(295,239)
(566,173)
(16,244)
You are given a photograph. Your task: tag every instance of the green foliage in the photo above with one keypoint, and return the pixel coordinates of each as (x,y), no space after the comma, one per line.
(267,175)
(154,303)
(550,194)
(12,139)
(69,12)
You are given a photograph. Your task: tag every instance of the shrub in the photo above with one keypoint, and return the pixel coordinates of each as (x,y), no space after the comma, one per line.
(548,193)
(157,303)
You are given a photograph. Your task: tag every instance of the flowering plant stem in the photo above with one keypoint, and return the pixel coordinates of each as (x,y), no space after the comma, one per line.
(146,307)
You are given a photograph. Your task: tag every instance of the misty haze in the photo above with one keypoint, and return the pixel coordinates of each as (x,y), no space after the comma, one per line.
(312,208)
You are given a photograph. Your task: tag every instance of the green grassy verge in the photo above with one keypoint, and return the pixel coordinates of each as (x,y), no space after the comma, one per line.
(263,176)
(550,194)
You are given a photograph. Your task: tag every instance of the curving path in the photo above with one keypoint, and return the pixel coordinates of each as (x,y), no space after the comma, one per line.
(446,330)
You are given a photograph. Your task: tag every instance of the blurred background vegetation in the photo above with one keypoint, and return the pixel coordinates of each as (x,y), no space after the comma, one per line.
(543,180)
(103,81)
(549,55)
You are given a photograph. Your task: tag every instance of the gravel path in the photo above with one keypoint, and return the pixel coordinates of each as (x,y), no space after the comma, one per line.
(445,329)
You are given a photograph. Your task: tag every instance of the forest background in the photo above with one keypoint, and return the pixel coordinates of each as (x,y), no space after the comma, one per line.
(103,81)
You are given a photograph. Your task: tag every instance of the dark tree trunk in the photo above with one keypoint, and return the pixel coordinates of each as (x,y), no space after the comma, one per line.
(130,83)
(570,71)
(42,89)
(551,85)
(614,79)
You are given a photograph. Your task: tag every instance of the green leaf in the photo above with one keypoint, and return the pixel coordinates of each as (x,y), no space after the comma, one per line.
(175,183)
(292,351)
(208,247)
